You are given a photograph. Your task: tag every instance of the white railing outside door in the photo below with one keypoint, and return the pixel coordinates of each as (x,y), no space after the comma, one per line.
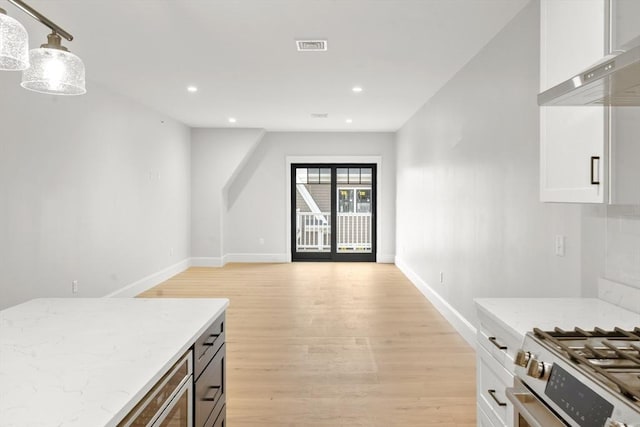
(313,232)
(353,232)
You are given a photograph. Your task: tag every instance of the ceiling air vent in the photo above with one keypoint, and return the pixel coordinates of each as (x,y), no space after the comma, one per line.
(311,45)
(319,115)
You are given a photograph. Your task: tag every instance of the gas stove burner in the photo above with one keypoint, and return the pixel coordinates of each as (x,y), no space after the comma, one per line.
(614,356)
(578,378)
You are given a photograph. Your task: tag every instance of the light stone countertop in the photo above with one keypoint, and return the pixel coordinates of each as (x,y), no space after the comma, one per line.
(521,315)
(87,362)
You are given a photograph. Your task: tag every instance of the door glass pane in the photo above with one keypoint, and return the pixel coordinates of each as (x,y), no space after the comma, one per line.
(313,210)
(365,176)
(342,176)
(301,175)
(345,200)
(363,200)
(325,176)
(353,226)
(354,175)
(313,176)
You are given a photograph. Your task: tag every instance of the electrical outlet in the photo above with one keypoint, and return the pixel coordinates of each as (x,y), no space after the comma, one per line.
(171,252)
(74,287)
(441,277)
(261,240)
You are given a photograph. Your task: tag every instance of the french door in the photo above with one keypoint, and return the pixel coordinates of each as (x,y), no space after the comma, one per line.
(333,212)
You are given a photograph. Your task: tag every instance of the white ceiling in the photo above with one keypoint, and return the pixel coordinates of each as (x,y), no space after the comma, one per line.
(242,56)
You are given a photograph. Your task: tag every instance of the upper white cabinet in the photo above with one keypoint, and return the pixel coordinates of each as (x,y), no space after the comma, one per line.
(625,156)
(625,27)
(625,121)
(572,139)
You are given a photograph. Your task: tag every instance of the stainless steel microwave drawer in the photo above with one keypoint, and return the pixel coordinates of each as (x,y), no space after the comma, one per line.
(170,396)
(208,345)
(210,389)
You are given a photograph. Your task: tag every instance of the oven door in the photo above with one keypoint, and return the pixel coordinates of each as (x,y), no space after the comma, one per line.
(528,410)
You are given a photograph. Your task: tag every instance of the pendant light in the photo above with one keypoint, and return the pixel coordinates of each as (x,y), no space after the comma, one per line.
(14,44)
(49,69)
(54,70)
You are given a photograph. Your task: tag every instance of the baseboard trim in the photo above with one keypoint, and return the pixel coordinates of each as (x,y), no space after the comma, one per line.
(256,258)
(457,320)
(150,281)
(385,258)
(206,262)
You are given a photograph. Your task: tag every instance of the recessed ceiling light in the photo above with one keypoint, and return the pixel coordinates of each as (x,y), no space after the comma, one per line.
(349,121)
(192,89)
(357,89)
(232,120)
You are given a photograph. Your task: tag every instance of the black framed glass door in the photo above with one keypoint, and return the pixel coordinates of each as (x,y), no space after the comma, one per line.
(333,212)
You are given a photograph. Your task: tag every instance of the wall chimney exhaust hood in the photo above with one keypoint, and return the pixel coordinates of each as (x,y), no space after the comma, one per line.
(613,81)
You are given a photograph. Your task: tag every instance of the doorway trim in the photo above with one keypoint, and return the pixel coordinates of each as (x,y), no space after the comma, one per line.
(377,160)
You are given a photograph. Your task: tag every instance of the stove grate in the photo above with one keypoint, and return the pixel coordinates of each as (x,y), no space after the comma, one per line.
(619,345)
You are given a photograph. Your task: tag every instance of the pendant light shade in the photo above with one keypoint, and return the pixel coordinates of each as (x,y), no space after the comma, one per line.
(54,70)
(14,44)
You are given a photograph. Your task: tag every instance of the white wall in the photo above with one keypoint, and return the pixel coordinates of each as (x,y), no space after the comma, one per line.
(622,258)
(611,246)
(92,188)
(217,156)
(257,198)
(467,190)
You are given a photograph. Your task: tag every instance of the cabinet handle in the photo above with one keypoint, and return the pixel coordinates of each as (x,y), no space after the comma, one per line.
(218,390)
(210,343)
(495,342)
(492,393)
(595,171)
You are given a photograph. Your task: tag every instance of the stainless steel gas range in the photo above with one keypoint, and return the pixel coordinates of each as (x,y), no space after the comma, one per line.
(578,378)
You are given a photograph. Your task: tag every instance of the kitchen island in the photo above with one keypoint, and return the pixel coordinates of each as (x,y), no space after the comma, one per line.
(88,362)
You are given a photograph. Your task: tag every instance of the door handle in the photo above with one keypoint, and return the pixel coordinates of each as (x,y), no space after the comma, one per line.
(595,170)
(209,342)
(492,393)
(494,341)
(217,389)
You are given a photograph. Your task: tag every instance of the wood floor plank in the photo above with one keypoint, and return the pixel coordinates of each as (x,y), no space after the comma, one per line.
(334,344)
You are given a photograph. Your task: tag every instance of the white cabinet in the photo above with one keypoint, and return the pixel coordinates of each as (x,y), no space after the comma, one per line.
(625,156)
(625,31)
(625,121)
(483,418)
(496,349)
(572,139)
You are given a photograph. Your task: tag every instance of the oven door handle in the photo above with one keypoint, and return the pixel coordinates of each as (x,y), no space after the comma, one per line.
(534,412)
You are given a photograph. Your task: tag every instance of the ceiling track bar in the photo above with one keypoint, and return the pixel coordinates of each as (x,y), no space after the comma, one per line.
(41,18)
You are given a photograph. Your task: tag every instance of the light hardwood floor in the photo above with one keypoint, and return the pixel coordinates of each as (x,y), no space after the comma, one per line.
(334,344)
